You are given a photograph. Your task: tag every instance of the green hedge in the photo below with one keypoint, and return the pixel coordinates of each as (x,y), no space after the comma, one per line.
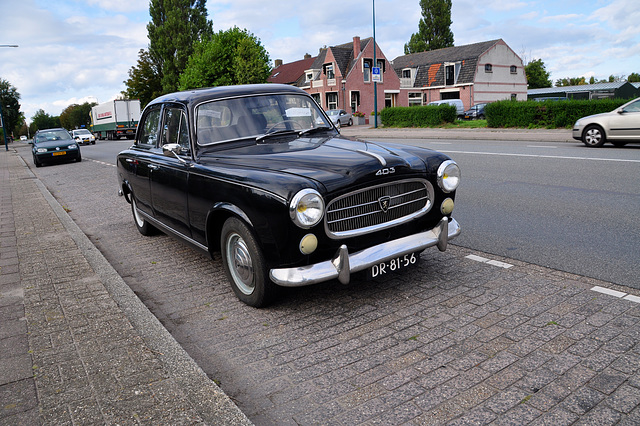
(550,114)
(418,116)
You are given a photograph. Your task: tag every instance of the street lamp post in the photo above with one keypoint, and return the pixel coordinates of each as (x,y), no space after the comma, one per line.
(375,64)
(4,129)
(2,122)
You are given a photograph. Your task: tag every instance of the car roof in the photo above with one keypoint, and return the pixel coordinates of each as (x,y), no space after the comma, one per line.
(197,96)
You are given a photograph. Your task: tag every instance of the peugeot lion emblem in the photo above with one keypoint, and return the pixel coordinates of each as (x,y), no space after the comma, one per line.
(384,203)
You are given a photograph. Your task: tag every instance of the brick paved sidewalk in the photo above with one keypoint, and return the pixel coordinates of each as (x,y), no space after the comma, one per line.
(68,352)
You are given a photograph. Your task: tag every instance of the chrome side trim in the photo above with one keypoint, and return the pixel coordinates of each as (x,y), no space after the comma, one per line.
(344,264)
(172,231)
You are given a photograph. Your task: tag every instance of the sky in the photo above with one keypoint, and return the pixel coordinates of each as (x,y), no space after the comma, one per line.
(74,51)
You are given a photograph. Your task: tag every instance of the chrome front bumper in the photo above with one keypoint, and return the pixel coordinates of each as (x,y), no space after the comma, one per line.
(344,264)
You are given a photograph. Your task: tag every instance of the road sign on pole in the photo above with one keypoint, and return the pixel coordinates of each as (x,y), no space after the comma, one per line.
(375,74)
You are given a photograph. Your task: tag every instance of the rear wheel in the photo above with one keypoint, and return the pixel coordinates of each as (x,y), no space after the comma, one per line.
(144,227)
(593,136)
(244,264)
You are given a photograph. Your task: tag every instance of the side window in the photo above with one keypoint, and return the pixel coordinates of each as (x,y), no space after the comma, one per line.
(150,127)
(175,129)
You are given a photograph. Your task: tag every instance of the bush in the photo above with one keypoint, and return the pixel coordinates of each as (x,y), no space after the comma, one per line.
(550,114)
(418,116)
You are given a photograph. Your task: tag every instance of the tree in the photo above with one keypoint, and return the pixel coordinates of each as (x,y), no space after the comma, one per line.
(434,29)
(537,75)
(634,77)
(144,82)
(175,25)
(9,98)
(573,81)
(41,120)
(229,57)
(76,116)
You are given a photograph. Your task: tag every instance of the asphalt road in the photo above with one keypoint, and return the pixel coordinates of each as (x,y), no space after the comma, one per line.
(559,205)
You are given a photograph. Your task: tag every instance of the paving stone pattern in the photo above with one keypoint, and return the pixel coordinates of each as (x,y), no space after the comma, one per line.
(452,341)
(68,354)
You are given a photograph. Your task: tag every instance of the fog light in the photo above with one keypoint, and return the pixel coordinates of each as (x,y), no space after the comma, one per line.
(447,206)
(308,244)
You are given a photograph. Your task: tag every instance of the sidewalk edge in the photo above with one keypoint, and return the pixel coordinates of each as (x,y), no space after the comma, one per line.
(208,399)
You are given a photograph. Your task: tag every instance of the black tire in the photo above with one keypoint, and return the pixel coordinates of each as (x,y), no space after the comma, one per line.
(593,136)
(79,159)
(350,122)
(244,264)
(36,162)
(144,227)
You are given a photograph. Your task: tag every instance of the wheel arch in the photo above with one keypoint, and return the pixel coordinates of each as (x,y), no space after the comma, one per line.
(216,217)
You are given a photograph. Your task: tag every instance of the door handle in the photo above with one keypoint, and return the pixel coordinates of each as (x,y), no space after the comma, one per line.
(153,167)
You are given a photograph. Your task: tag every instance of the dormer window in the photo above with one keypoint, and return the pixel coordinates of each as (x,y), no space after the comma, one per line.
(328,70)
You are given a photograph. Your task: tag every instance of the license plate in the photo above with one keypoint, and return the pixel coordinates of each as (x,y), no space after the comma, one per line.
(392,265)
(59,153)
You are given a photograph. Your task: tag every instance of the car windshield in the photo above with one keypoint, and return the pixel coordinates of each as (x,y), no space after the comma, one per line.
(333,112)
(81,132)
(256,117)
(52,135)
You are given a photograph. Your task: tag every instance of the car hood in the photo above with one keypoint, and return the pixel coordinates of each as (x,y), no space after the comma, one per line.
(333,162)
(595,116)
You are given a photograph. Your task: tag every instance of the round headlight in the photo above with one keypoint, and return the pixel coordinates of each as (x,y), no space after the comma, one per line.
(42,149)
(306,208)
(448,176)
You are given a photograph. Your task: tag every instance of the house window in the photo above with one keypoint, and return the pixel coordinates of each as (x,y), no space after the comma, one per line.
(328,70)
(449,75)
(316,97)
(355,100)
(415,99)
(406,73)
(488,68)
(332,100)
(308,77)
(366,69)
(514,69)
(514,97)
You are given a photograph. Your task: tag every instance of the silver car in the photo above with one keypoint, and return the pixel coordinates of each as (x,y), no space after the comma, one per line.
(340,117)
(620,126)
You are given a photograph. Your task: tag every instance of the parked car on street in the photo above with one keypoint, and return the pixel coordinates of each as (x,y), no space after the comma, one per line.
(260,174)
(454,102)
(83,136)
(476,112)
(340,117)
(620,126)
(53,146)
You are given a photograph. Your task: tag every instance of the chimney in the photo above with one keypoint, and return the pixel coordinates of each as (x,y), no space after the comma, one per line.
(277,63)
(356,46)
(307,56)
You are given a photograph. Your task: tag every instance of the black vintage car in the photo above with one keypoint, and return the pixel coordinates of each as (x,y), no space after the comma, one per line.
(260,173)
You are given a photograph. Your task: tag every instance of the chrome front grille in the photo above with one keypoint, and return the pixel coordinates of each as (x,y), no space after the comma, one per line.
(378,207)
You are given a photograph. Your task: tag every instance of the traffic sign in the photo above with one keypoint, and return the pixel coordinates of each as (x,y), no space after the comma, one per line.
(375,73)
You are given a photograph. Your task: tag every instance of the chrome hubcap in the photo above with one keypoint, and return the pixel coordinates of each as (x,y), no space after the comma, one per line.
(593,137)
(240,263)
(136,215)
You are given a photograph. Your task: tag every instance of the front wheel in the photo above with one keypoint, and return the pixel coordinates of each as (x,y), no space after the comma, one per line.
(593,137)
(144,227)
(244,264)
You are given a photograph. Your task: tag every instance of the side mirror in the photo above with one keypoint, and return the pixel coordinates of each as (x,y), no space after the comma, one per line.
(173,150)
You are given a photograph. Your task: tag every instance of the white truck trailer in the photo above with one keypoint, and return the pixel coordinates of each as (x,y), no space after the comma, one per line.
(114,119)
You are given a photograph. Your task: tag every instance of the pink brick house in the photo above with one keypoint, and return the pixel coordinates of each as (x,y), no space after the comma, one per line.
(340,78)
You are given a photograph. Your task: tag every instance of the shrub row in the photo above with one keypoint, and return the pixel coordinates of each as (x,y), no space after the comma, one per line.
(549,114)
(418,116)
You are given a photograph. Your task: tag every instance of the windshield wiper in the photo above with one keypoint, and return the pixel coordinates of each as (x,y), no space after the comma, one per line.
(314,130)
(275,133)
